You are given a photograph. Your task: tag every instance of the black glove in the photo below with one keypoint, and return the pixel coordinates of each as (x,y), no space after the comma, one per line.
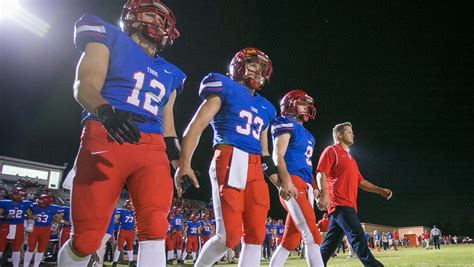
(120,124)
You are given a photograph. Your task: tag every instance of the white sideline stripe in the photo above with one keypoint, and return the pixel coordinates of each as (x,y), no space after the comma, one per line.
(84,28)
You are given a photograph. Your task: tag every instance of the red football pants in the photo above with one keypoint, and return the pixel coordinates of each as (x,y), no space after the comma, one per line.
(125,236)
(204,239)
(191,243)
(243,212)
(169,242)
(40,236)
(300,220)
(177,239)
(65,233)
(19,236)
(103,167)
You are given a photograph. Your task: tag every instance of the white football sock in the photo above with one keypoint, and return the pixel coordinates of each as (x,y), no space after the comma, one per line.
(193,254)
(67,258)
(116,255)
(151,253)
(27,258)
(313,255)
(170,255)
(212,251)
(179,254)
(279,257)
(250,255)
(183,255)
(38,258)
(130,255)
(16,258)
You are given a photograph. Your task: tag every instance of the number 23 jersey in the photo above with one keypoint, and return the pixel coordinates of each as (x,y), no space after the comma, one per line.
(135,81)
(242,116)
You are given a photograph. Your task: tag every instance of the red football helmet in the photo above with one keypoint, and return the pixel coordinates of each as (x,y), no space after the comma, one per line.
(239,70)
(298,97)
(44,200)
(18,193)
(159,29)
(194,217)
(128,204)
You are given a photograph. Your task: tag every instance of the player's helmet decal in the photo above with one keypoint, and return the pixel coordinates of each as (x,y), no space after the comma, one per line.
(44,200)
(298,97)
(239,68)
(159,28)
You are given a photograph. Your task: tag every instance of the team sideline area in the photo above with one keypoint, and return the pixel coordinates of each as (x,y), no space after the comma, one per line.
(453,255)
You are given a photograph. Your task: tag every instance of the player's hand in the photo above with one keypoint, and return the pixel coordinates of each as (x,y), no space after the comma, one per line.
(120,124)
(184,178)
(323,201)
(288,190)
(385,193)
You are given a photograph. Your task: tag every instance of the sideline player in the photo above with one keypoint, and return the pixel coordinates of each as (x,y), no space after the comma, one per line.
(13,227)
(128,92)
(239,117)
(292,151)
(126,218)
(43,214)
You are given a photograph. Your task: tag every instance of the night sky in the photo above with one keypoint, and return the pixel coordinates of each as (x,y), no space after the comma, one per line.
(401,71)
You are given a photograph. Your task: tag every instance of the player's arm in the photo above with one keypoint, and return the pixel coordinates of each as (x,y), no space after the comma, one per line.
(29,214)
(287,188)
(90,76)
(116,218)
(173,149)
(192,134)
(268,165)
(323,198)
(369,187)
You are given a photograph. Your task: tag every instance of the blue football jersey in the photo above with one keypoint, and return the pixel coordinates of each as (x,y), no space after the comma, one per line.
(206,228)
(127,219)
(15,210)
(300,148)
(135,81)
(110,228)
(45,216)
(192,228)
(178,222)
(242,116)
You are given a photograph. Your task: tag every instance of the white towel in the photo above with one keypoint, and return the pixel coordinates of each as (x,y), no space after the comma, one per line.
(238,169)
(11,231)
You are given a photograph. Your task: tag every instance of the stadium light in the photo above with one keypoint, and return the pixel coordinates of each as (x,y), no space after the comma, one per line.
(11,9)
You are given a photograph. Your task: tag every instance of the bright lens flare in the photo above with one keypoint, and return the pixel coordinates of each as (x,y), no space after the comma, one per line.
(11,9)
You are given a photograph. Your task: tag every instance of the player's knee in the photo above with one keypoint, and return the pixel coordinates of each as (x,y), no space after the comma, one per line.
(290,243)
(86,244)
(254,235)
(232,239)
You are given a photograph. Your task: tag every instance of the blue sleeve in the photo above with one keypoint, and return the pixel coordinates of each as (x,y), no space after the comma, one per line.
(178,81)
(88,29)
(281,125)
(212,85)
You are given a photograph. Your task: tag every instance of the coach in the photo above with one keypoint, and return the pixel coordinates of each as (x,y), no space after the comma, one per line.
(338,179)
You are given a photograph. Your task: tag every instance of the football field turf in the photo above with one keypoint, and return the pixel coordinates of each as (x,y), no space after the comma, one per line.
(451,255)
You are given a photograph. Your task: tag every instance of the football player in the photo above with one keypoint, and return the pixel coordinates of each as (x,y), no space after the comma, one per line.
(126,233)
(43,215)
(128,92)
(14,212)
(191,230)
(239,116)
(66,225)
(177,233)
(292,151)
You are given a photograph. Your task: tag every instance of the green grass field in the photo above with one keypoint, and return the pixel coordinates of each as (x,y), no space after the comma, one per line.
(453,255)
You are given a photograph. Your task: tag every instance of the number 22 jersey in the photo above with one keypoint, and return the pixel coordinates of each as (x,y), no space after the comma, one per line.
(242,116)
